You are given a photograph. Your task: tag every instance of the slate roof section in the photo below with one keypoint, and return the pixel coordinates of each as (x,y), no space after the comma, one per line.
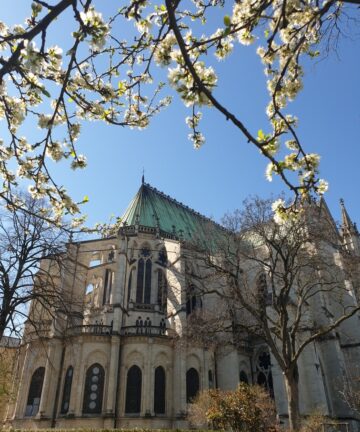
(153,209)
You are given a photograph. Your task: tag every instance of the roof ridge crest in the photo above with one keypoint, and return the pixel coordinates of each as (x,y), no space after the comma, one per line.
(164,195)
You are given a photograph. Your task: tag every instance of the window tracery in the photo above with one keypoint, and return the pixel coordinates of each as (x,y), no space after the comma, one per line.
(143,286)
(35,390)
(93,391)
(67,390)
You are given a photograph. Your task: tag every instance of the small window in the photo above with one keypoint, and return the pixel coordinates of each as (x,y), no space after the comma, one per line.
(111,254)
(193,301)
(67,390)
(159,390)
(129,286)
(263,372)
(243,378)
(162,257)
(89,289)
(133,391)
(109,278)
(211,379)
(34,396)
(192,384)
(93,391)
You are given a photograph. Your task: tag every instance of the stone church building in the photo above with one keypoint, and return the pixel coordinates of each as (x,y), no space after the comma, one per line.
(118,359)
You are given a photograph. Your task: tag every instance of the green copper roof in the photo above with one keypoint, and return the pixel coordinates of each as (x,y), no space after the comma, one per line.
(152,208)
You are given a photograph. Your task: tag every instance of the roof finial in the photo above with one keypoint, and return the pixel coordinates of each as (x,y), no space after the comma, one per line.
(143,177)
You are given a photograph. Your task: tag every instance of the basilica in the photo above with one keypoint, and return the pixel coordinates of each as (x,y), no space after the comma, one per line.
(117,359)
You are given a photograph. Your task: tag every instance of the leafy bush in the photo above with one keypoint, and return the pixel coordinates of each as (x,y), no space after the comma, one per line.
(248,408)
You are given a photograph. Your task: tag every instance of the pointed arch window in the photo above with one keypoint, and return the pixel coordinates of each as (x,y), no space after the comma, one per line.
(162,291)
(133,390)
(35,389)
(159,390)
(211,379)
(264,296)
(109,279)
(129,285)
(192,384)
(263,372)
(94,388)
(193,301)
(67,390)
(243,378)
(162,257)
(143,285)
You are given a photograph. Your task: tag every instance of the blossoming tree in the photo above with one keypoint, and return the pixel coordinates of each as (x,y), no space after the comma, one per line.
(100,75)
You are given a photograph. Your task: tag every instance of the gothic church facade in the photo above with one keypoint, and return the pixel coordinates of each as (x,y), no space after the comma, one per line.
(118,359)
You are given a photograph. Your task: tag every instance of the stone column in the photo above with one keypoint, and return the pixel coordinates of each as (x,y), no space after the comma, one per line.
(119,288)
(147,377)
(179,380)
(80,373)
(112,378)
(50,380)
(76,384)
(22,393)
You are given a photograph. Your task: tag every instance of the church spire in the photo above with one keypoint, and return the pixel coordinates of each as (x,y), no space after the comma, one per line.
(346,222)
(349,231)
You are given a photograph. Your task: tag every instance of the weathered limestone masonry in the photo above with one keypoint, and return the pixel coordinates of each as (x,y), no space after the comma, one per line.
(118,359)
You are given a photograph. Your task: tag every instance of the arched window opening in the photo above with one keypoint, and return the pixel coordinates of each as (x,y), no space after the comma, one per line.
(159,390)
(193,301)
(111,255)
(263,372)
(95,260)
(162,257)
(211,379)
(326,389)
(264,296)
(109,279)
(67,390)
(133,391)
(192,384)
(243,378)
(35,389)
(129,286)
(94,388)
(143,285)
(89,289)
(162,291)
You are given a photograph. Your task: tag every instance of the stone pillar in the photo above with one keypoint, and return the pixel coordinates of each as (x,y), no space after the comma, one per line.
(112,378)
(147,407)
(179,381)
(76,384)
(78,389)
(50,379)
(22,393)
(169,400)
(119,288)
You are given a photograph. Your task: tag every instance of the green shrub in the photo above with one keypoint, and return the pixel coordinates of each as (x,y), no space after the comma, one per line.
(246,409)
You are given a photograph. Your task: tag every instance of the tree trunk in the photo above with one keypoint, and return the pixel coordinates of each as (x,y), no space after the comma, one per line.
(292,392)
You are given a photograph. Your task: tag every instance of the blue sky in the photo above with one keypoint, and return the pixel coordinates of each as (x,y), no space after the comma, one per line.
(226,170)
